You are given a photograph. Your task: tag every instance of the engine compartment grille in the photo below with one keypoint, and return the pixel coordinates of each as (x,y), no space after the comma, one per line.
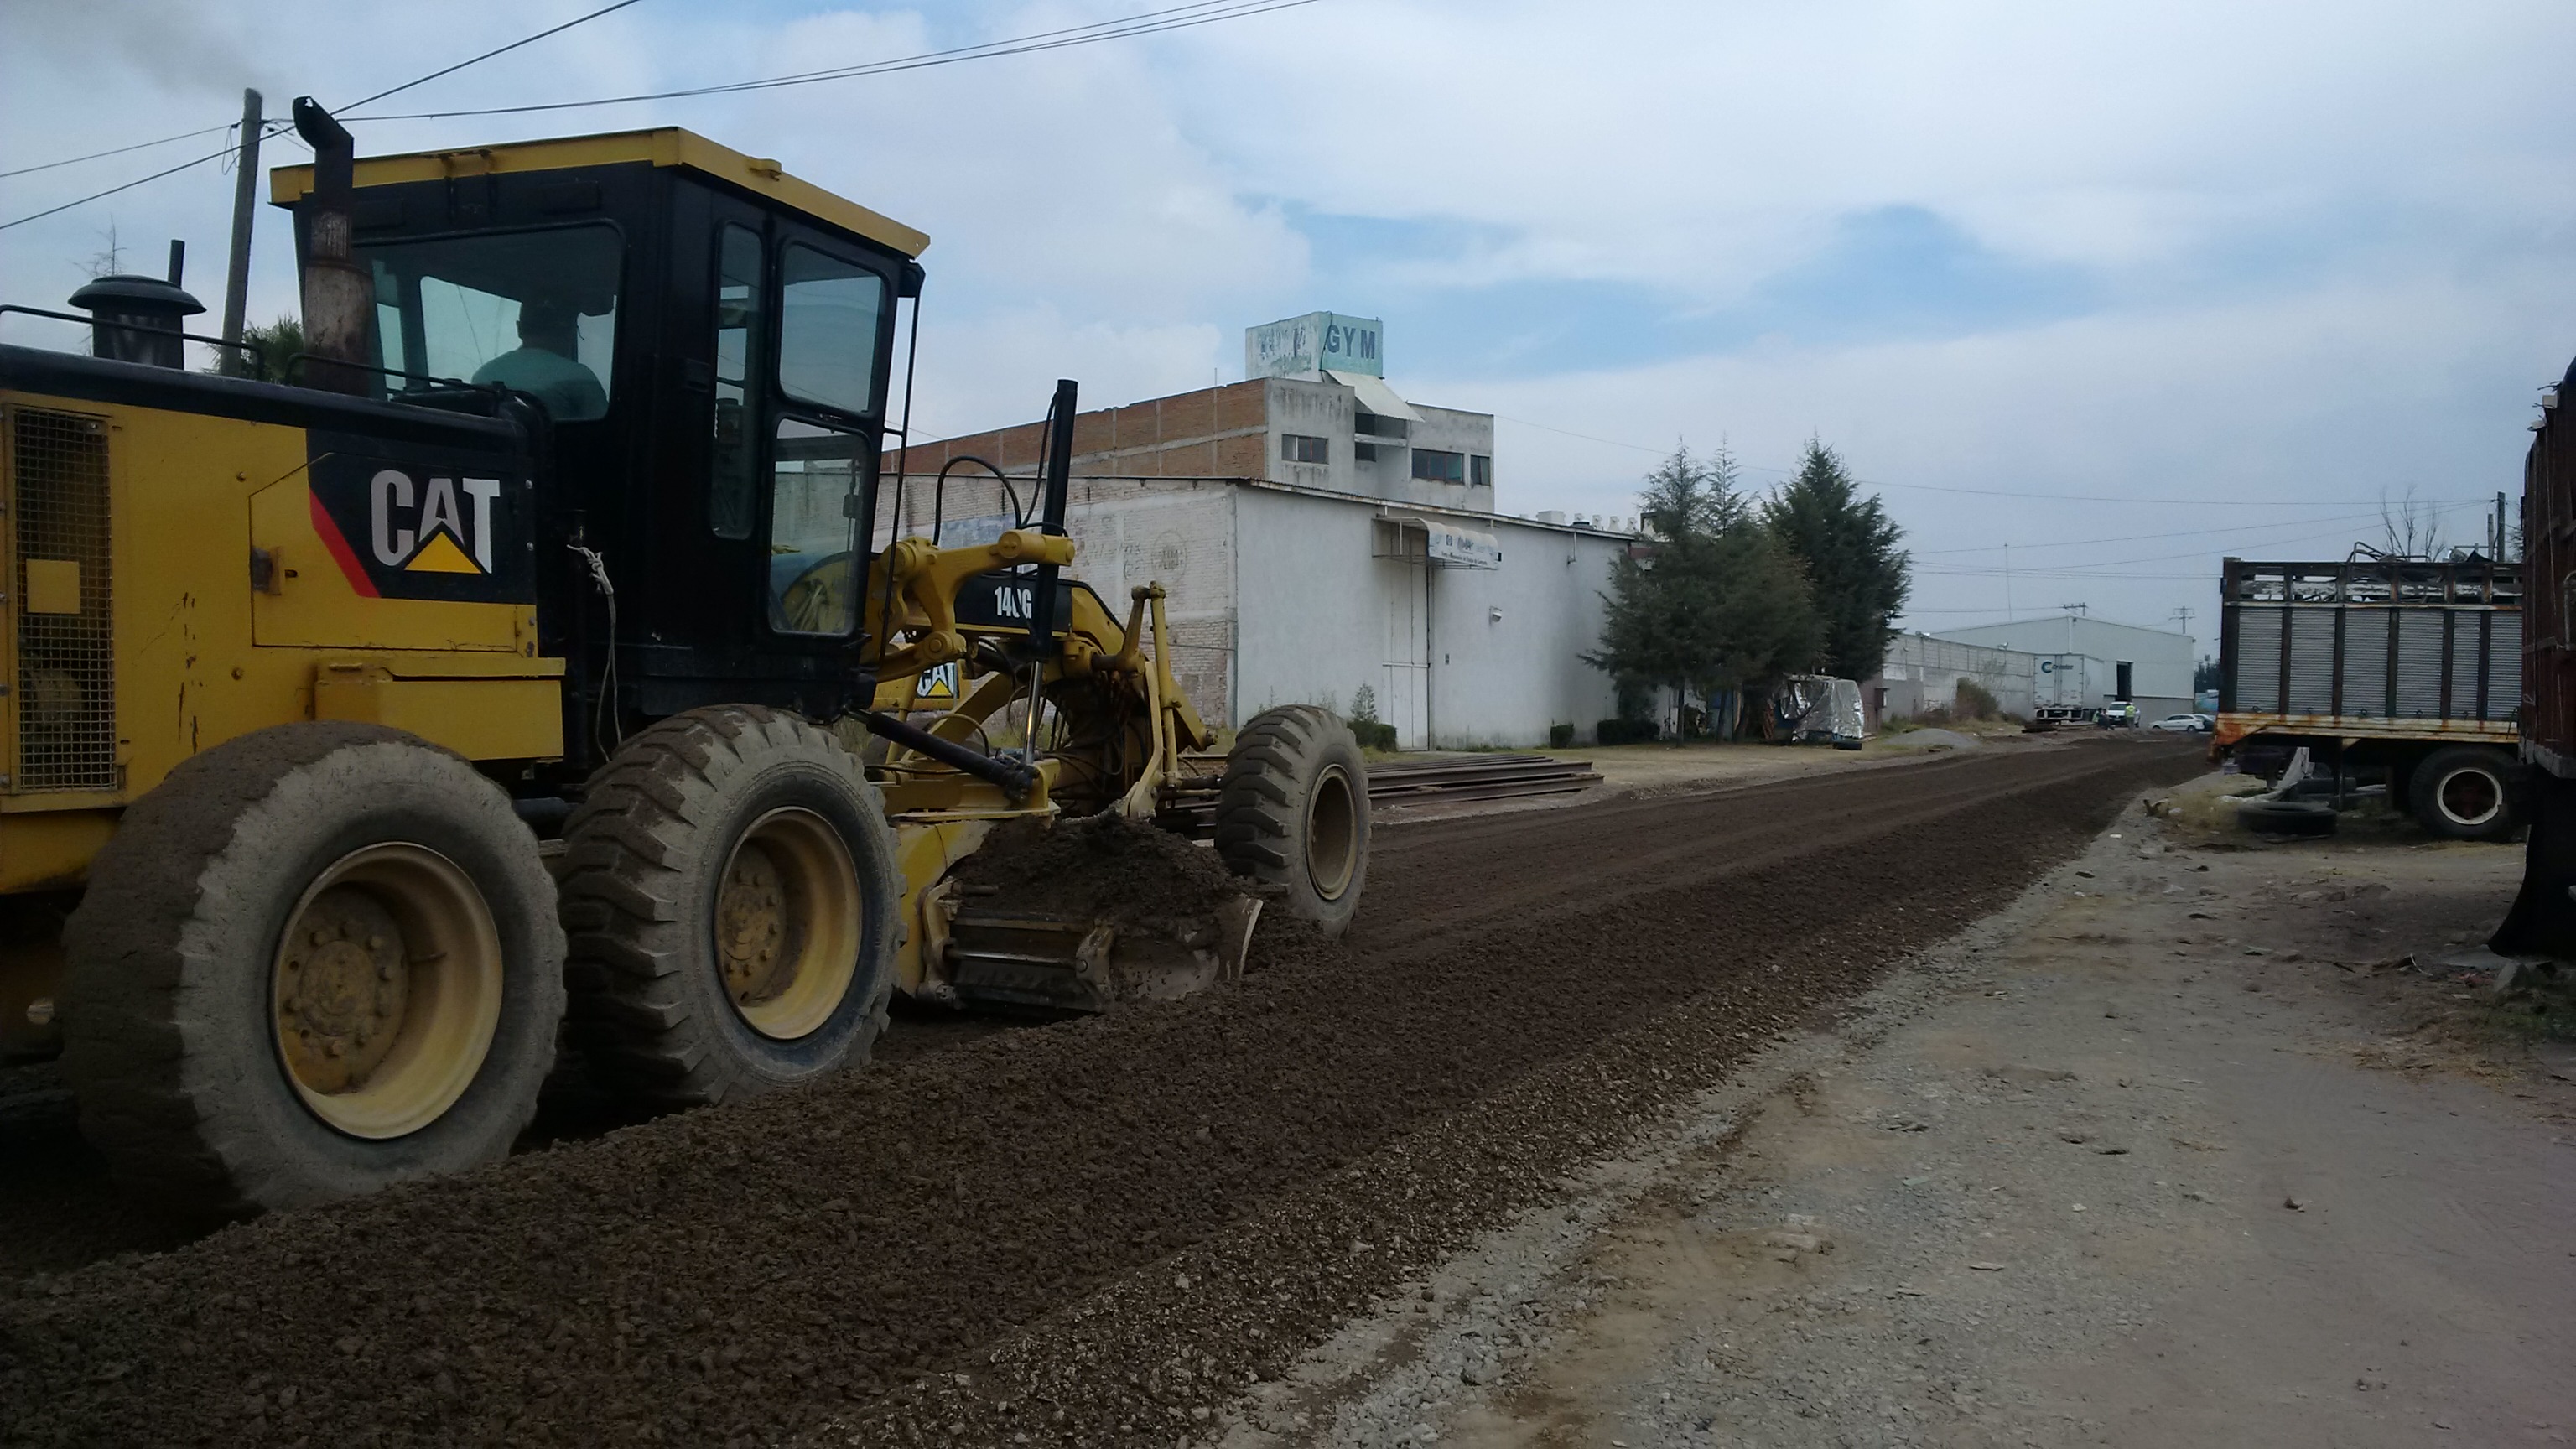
(66,682)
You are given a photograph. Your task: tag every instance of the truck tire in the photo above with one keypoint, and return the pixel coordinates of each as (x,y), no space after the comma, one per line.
(731,898)
(1293,811)
(2465,792)
(313,961)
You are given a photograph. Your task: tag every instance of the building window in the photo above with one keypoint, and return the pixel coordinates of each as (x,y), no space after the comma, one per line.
(1437,467)
(1377,425)
(1480,470)
(1299,448)
(1364,452)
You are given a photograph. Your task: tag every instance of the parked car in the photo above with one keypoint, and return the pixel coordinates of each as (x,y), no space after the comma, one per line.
(2184,723)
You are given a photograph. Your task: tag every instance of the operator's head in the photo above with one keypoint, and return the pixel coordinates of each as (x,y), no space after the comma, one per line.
(549,325)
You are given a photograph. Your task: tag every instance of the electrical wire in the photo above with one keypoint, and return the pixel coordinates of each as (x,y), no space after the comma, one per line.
(1151,22)
(2091,570)
(2007,493)
(128,186)
(116,151)
(487,55)
(274,128)
(2141,537)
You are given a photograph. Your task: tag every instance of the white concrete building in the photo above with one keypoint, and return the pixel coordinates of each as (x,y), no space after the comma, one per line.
(2087,661)
(1316,534)
(1923,673)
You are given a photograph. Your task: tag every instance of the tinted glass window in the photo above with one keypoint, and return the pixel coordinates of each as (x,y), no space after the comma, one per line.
(733,491)
(535,311)
(1432,466)
(828,316)
(816,487)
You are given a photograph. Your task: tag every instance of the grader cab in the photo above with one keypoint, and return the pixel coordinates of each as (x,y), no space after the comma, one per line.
(546,658)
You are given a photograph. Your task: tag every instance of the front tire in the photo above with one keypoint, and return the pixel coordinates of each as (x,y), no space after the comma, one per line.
(732,901)
(313,961)
(1294,811)
(2465,792)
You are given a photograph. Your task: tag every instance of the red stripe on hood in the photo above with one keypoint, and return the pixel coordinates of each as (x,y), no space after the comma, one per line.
(324,525)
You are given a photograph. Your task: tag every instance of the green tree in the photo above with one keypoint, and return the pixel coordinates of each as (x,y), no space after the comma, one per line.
(1850,547)
(1713,602)
(272,345)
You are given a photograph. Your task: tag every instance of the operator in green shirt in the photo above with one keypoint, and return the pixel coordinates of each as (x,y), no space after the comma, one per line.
(543,364)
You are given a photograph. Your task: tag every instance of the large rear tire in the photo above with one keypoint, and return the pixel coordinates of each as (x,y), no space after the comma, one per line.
(731,896)
(313,961)
(2466,792)
(1293,811)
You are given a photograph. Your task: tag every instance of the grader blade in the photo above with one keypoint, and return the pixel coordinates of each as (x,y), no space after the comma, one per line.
(1007,958)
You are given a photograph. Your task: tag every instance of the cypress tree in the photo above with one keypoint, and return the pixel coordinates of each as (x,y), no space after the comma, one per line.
(1860,576)
(1715,601)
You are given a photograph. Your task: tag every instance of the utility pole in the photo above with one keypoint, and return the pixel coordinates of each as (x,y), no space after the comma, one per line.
(2184,614)
(2497,552)
(245,202)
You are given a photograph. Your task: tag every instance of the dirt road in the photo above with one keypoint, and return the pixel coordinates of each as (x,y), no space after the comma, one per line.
(2169,1153)
(1096,1232)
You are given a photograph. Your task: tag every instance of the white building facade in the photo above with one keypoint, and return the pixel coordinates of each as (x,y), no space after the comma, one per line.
(2087,661)
(1317,534)
(1923,673)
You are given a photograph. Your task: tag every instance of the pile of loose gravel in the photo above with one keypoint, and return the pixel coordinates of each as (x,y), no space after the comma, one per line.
(1120,1214)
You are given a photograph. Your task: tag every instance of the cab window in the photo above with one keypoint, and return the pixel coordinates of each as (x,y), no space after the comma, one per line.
(818,476)
(829,312)
(535,311)
(733,492)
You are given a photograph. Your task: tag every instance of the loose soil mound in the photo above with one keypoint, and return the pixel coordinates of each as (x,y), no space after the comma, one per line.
(792,1267)
(1102,866)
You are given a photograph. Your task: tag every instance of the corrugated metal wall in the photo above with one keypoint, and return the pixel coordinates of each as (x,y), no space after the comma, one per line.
(2440,657)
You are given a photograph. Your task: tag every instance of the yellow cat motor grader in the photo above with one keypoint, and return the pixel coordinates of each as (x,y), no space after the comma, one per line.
(566,540)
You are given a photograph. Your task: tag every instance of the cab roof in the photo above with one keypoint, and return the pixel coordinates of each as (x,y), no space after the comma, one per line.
(665,146)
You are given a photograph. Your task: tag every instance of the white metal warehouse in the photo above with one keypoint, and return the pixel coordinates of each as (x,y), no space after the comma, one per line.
(2087,661)
(1318,534)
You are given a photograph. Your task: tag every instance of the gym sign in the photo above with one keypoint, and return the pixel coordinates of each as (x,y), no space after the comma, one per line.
(454,528)
(1304,346)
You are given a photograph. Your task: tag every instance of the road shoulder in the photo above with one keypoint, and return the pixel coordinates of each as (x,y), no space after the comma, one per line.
(2131,1162)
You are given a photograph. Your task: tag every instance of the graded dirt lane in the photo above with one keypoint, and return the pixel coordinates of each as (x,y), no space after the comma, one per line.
(789,1268)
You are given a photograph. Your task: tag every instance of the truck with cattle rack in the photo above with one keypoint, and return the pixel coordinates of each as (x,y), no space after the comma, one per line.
(2408,665)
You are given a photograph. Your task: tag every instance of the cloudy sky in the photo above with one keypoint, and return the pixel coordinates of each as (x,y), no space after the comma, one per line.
(2125,288)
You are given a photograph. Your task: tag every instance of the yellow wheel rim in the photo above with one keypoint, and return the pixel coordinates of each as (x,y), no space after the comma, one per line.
(386,990)
(1332,833)
(789,922)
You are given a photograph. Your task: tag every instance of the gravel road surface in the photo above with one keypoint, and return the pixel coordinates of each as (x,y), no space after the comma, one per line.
(1095,1232)
(2173,1151)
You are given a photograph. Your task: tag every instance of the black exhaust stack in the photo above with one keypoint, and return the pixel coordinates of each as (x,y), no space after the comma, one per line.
(1055,484)
(339,296)
(135,318)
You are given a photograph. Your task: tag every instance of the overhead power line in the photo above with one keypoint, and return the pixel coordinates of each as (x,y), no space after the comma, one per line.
(128,186)
(1151,22)
(2142,537)
(113,151)
(353,105)
(487,55)
(2045,497)
(281,127)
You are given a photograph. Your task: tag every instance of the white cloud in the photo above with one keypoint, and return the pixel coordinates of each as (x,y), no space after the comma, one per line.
(2330,237)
